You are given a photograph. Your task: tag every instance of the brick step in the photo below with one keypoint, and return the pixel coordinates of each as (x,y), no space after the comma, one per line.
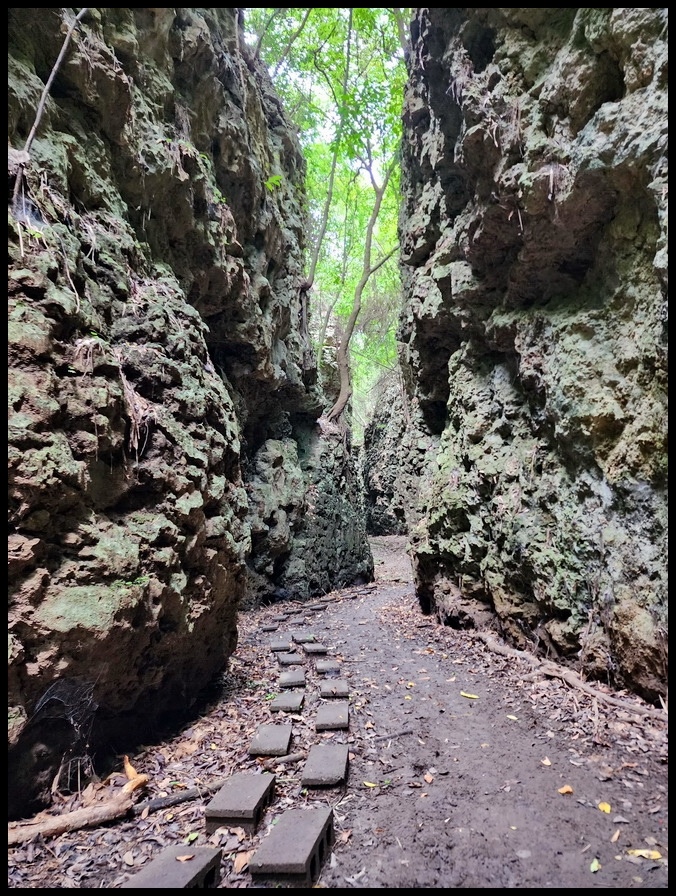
(241,802)
(171,870)
(296,847)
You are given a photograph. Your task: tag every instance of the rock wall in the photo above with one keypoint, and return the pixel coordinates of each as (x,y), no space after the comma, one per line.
(534,263)
(394,456)
(159,373)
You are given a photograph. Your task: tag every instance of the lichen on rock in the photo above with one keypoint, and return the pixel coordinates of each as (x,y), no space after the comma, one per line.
(533,334)
(156,346)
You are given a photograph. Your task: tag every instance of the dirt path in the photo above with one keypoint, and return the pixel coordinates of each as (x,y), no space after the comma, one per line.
(466,768)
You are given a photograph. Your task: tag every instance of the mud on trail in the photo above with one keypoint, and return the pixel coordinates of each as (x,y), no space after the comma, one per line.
(468,766)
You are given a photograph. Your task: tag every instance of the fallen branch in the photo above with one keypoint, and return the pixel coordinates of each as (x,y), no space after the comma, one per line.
(281,760)
(174,799)
(392,736)
(546,667)
(90,816)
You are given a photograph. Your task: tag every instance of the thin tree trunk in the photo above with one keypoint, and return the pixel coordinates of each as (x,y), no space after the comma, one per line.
(342,356)
(334,161)
(292,39)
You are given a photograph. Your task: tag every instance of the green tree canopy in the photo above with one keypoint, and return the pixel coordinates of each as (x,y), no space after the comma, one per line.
(341,74)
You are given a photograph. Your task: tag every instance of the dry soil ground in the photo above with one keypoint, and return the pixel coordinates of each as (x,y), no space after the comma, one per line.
(468,767)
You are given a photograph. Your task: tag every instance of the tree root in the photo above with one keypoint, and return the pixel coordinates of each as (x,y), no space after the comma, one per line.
(546,667)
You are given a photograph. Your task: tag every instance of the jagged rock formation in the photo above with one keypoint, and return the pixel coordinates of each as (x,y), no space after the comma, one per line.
(159,374)
(394,453)
(534,258)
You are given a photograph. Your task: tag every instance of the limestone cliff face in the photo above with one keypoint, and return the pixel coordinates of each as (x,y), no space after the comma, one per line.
(158,371)
(534,259)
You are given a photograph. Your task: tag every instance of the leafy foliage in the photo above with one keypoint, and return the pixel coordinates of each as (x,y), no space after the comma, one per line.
(341,74)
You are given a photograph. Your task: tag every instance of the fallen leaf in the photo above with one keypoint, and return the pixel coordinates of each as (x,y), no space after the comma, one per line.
(645,853)
(566,789)
(192,837)
(344,836)
(369,784)
(429,778)
(129,769)
(469,696)
(135,783)
(414,784)
(615,837)
(546,761)
(241,860)
(185,858)
(513,718)
(128,858)
(595,866)
(605,807)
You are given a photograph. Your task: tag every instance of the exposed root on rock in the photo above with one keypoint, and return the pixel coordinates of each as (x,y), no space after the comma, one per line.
(546,667)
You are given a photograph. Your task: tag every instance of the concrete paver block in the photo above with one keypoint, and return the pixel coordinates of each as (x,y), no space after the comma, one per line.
(303,637)
(290,701)
(270,627)
(293,678)
(317,608)
(167,872)
(334,687)
(296,847)
(332,716)
(290,659)
(327,667)
(241,801)
(314,647)
(326,765)
(271,740)
(281,644)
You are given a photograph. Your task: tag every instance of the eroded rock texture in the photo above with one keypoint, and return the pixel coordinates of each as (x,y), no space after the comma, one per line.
(159,374)
(534,257)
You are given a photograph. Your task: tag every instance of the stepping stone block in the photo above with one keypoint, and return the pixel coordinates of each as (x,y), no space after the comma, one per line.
(280,645)
(241,801)
(303,637)
(165,872)
(326,765)
(316,608)
(314,648)
(291,701)
(294,678)
(296,847)
(334,687)
(290,659)
(271,740)
(332,716)
(327,667)
(270,627)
